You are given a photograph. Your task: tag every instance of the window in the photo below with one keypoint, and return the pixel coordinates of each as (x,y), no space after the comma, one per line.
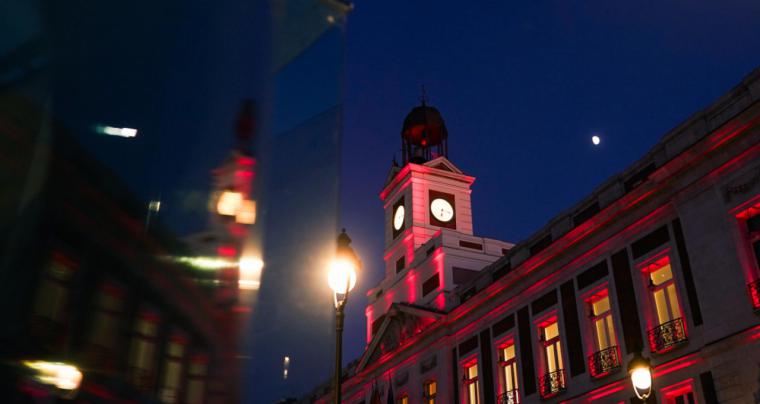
(553,380)
(753,238)
(172,377)
(429,391)
(51,302)
(142,356)
(508,374)
(430,285)
(400,264)
(471,383)
(679,393)
(606,356)
(196,375)
(403,399)
(104,334)
(669,327)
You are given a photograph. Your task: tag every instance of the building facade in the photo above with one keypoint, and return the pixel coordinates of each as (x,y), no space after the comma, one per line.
(662,259)
(86,282)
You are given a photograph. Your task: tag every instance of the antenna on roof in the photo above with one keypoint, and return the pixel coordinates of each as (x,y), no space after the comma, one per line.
(423,95)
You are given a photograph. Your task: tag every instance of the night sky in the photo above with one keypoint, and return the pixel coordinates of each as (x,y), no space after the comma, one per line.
(522,87)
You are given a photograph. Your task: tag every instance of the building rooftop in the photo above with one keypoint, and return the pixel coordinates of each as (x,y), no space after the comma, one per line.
(672,144)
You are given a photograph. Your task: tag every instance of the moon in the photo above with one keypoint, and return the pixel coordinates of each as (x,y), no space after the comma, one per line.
(596,140)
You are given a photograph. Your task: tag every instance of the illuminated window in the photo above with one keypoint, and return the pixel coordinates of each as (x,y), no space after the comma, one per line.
(553,380)
(508,373)
(403,399)
(753,238)
(172,377)
(605,357)
(52,299)
(664,294)
(669,325)
(429,391)
(471,383)
(142,356)
(196,383)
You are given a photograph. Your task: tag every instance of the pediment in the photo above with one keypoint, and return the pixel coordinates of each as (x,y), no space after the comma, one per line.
(442,163)
(402,322)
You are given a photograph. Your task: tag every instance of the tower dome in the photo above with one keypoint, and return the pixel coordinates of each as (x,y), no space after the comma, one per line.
(424,135)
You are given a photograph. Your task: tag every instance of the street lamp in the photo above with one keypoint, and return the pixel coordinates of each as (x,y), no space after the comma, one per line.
(341,278)
(640,371)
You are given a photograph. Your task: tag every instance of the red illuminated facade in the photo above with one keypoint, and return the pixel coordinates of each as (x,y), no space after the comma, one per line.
(663,259)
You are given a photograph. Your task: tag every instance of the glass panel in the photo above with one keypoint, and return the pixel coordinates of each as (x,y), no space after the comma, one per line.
(551,358)
(601,306)
(661,275)
(612,340)
(601,333)
(472,372)
(559,355)
(675,309)
(509,352)
(551,331)
(661,305)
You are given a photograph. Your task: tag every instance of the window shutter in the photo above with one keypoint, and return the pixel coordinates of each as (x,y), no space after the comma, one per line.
(627,305)
(572,329)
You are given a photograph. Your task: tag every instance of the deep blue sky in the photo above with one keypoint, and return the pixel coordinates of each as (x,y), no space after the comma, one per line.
(522,87)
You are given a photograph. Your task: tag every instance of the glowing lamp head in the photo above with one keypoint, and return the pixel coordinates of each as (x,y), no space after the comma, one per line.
(342,276)
(640,371)
(596,140)
(342,272)
(61,375)
(229,202)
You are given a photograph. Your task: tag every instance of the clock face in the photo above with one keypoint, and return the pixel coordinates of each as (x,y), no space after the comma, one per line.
(398,218)
(442,210)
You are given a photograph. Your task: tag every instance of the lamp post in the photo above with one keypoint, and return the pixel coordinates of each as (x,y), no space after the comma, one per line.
(341,278)
(640,371)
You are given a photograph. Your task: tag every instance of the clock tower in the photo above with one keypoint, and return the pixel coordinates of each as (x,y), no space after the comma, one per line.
(430,248)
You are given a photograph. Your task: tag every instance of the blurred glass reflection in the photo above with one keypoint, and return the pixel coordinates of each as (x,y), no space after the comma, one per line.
(154,157)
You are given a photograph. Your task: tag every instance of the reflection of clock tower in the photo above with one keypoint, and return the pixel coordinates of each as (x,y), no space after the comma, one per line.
(429,245)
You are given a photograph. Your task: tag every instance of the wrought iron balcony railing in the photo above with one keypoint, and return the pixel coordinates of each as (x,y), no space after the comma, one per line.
(604,362)
(552,383)
(510,397)
(667,335)
(754,294)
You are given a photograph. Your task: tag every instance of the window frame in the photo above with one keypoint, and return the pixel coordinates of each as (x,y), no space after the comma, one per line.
(465,365)
(541,324)
(602,290)
(646,266)
(501,364)
(427,398)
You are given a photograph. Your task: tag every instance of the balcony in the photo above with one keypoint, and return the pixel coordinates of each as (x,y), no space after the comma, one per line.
(510,397)
(552,383)
(665,336)
(604,362)
(754,294)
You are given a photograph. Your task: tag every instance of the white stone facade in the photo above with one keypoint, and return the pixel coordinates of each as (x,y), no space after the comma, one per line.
(684,206)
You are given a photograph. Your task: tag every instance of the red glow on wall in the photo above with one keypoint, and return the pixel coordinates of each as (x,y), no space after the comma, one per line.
(440,302)
(226,251)
(754,333)
(655,262)
(245,161)
(601,392)
(678,389)
(675,365)
(411,285)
